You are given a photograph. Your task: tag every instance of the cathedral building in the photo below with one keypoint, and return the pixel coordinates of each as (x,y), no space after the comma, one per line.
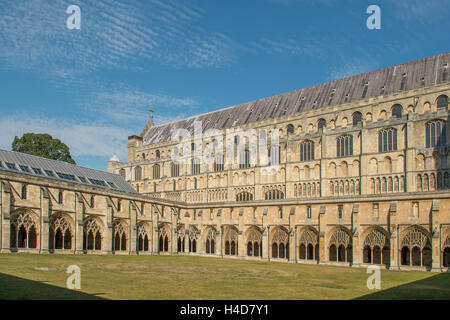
(352,172)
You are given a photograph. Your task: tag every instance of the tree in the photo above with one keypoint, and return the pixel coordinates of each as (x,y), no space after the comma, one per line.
(42,145)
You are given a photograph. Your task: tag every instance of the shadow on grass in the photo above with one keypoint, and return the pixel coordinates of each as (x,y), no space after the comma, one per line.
(14,288)
(436,287)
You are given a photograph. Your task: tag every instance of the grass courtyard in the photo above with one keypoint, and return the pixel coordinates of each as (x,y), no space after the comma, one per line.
(26,276)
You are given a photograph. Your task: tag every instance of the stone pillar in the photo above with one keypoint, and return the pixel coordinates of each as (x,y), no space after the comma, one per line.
(292,236)
(363,160)
(323,255)
(436,237)
(395,235)
(155,230)
(5,216)
(45,218)
(108,232)
(133,228)
(356,248)
(79,224)
(241,244)
(265,243)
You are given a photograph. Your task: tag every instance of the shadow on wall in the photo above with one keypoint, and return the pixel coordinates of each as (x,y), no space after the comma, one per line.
(14,288)
(436,287)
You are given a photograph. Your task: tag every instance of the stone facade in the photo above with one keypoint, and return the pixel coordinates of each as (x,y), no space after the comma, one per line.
(356,183)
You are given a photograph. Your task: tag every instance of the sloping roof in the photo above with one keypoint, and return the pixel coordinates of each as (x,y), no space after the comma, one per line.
(27,164)
(412,75)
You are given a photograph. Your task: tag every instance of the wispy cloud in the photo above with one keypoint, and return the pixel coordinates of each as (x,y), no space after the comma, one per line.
(83,139)
(113,35)
(128,105)
(349,69)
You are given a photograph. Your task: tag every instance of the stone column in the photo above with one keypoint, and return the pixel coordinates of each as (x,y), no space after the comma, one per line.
(265,243)
(436,237)
(395,235)
(133,228)
(323,255)
(45,218)
(356,248)
(241,244)
(292,236)
(108,232)
(5,216)
(155,230)
(79,224)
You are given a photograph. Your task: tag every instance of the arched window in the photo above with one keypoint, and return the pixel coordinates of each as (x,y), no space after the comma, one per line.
(156,171)
(60,197)
(340,246)
(143,238)
(60,235)
(92,202)
(376,248)
(195,166)
(274,194)
(211,242)
(397,111)
(244,159)
(321,124)
(175,169)
(387,140)
(163,240)
(309,245)
(244,196)
(23,231)
(357,117)
(157,154)
(280,244)
(416,248)
(307,151)
(218,163)
(442,102)
(290,129)
(254,243)
(231,242)
(24,192)
(92,239)
(436,134)
(138,173)
(344,146)
(274,155)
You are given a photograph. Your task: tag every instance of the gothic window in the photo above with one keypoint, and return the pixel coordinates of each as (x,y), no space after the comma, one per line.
(143,238)
(23,231)
(436,133)
(290,129)
(211,241)
(376,248)
(446,252)
(244,196)
(60,197)
(321,124)
(254,243)
(193,238)
(387,140)
(60,235)
(138,173)
(163,239)
(307,151)
(357,117)
(195,166)
(92,202)
(231,242)
(158,154)
(274,194)
(120,236)
(244,159)
(92,239)
(442,102)
(309,245)
(274,155)
(181,240)
(344,146)
(415,248)
(218,163)
(280,244)
(156,171)
(340,246)
(24,192)
(397,111)
(174,169)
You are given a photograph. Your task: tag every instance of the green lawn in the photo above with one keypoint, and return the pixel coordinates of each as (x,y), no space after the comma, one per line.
(172,277)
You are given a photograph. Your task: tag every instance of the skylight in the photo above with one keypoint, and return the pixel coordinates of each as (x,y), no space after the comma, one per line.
(49,173)
(66,176)
(25,169)
(11,166)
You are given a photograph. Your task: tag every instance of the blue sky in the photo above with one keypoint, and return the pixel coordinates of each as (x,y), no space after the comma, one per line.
(92,88)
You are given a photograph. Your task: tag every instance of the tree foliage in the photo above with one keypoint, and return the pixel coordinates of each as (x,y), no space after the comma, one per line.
(42,145)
